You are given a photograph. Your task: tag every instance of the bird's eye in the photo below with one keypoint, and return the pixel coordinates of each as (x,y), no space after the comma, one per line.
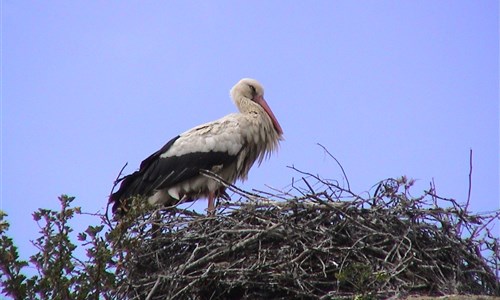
(252,88)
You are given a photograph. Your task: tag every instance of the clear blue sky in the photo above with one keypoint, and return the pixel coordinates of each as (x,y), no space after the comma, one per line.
(391,88)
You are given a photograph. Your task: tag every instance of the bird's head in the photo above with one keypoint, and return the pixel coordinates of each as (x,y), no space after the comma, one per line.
(248,89)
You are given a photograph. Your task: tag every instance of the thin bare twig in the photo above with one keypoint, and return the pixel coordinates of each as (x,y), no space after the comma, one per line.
(115,183)
(338,163)
(470,180)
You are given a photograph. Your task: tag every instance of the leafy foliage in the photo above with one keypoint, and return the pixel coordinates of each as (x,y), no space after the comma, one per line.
(61,275)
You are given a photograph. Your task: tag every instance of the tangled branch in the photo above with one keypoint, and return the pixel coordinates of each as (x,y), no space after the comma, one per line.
(324,241)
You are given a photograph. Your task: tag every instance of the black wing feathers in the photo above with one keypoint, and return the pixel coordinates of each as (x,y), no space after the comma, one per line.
(172,170)
(156,172)
(131,184)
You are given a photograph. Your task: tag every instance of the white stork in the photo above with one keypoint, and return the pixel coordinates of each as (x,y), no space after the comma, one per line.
(228,147)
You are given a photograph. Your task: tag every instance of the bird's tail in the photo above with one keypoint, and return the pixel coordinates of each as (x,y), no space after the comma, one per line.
(128,188)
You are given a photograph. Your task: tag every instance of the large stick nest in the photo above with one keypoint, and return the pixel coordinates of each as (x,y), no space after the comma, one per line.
(324,243)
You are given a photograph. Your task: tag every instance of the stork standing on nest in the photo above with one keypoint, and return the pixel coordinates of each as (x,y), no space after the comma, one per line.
(227,147)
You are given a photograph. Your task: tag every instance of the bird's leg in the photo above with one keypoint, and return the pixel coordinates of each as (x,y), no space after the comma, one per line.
(211,206)
(222,194)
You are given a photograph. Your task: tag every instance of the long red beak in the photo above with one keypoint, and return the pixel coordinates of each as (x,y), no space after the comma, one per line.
(260,100)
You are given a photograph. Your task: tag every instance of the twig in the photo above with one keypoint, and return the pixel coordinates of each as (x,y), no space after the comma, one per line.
(115,183)
(340,165)
(470,180)
(151,293)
